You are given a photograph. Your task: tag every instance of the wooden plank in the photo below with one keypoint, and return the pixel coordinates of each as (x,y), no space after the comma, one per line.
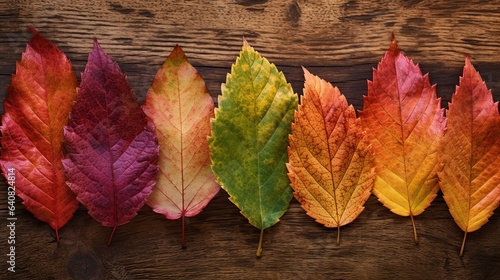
(338,40)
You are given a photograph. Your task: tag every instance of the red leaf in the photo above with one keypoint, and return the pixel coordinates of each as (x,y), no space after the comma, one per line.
(111,149)
(470,153)
(37,106)
(404,123)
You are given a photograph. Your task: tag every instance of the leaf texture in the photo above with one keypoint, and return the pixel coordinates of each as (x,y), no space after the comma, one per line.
(404,123)
(470,153)
(36,109)
(181,107)
(250,137)
(111,150)
(330,162)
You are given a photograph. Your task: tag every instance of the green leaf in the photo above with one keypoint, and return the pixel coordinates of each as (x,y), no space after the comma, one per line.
(250,137)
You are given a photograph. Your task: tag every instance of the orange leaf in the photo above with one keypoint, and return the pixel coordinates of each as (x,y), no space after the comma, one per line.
(330,163)
(37,107)
(404,123)
(470,153)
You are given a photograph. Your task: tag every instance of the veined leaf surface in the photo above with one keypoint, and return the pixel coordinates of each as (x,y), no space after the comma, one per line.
(404,123)
(111,150)
(181,107)
(330,163)
(37,108)
(470,153)
(250,137)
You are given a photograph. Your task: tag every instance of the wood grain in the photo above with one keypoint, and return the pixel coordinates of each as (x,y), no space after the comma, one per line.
(341,41)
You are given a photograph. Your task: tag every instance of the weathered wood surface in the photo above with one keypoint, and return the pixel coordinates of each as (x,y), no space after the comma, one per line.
(340,41)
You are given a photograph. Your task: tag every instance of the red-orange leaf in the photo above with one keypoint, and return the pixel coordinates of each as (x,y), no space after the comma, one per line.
(330,163)
(37,106)
(404,123)
(470,153)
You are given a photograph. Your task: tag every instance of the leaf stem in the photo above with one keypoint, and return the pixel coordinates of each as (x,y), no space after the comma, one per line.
(57,236)
(111,236)
(259,249)
(463,245)
(415,236)
(183,238)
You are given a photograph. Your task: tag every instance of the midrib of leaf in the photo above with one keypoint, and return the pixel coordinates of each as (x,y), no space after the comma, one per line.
(257,148)
(313,195)
(183,210)
(471,133)
(51,157)
(327,137)
(54,171)
(403,141)
(255,129)
(111,156)
(330,167)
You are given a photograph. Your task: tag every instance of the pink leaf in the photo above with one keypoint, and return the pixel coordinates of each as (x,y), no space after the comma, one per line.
(180,105)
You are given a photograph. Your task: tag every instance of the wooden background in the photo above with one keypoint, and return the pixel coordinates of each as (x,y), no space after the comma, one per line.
(338,40)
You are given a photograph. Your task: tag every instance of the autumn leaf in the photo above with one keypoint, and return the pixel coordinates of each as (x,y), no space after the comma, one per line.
(250,136)
(404,123)
(470,153)
(111,151)
(330,163)
(36,109)
(181,107)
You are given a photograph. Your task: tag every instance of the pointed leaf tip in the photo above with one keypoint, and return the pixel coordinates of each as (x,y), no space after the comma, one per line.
(306,72)
(96,44)
(176,49)
(177,56)
(245,43)
(33,30)
(394,48)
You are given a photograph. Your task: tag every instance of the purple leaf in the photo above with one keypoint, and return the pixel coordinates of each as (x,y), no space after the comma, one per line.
(111,150)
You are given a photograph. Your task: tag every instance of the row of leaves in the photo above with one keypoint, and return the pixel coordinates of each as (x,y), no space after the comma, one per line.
(97,146)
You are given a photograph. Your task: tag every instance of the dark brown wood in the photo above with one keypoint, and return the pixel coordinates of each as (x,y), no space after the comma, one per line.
(338,40)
